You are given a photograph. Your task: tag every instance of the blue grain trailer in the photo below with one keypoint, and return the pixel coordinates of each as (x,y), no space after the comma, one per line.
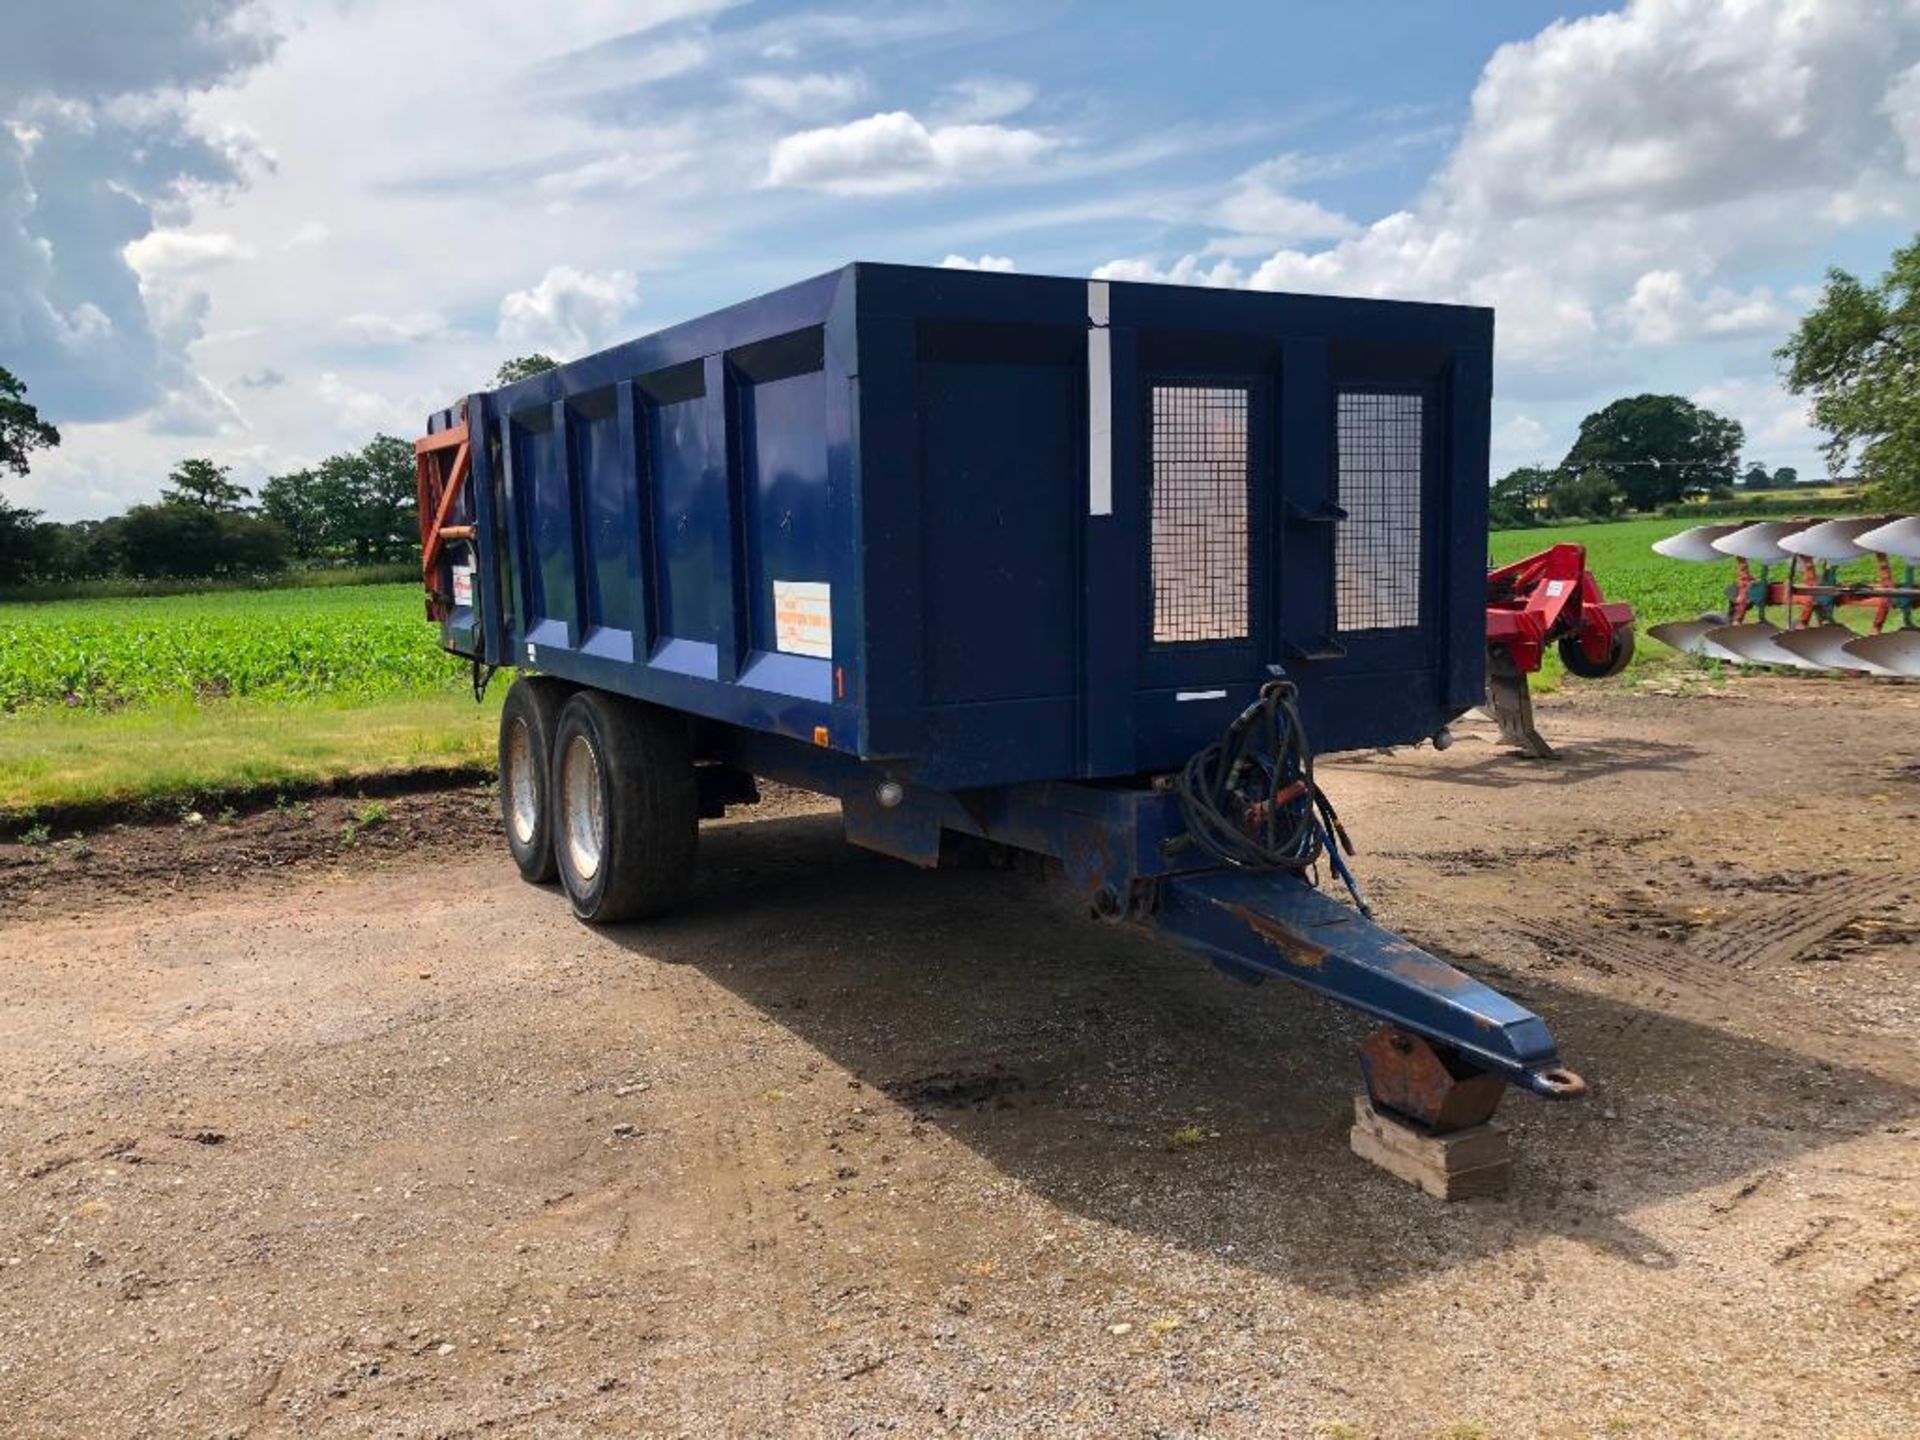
(1070,567)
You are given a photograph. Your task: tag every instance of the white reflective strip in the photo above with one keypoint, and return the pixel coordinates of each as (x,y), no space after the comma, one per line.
(1099,422)
(1096,302)
(1201,695)
(1099,403)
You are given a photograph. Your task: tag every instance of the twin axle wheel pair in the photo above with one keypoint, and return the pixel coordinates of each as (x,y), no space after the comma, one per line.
(599,791)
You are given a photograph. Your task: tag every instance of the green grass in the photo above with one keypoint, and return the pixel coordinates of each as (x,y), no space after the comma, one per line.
(297,577)
(179,754)
(141,703)
(356,642)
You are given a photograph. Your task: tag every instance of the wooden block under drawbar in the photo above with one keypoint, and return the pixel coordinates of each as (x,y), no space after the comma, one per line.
(1460,1166)
(1467,1149)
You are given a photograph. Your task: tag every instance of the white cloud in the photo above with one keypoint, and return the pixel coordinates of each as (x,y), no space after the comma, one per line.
(576,155)
(1775,421)
(1259,207)
(365,412)
(169,252)
(196,408)
(1519,440)
(975,102)
(893,152)
(84,325)
(569,311)
(1664,310)
(1615,166)
(1680,103)
(1187,270)
(630,168)
(1903,108)
(370,328)
(1000,264)
(807,96)
(1672,128)
(65,49)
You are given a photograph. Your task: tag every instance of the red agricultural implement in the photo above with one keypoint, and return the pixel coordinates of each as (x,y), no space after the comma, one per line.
(1548,599)
(1814,573)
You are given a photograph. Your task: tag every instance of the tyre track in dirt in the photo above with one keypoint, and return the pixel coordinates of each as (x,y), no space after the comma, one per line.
(1730,968)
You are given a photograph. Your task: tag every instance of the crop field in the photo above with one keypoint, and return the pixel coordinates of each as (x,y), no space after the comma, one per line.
(167,701)
(362,642)
(369,642)
(161,700)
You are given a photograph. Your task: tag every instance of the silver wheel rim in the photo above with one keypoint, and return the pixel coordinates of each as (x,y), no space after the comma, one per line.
(523,793)
(584,819)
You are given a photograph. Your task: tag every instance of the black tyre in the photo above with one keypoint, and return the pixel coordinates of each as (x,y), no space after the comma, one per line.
(1618,654)
(625,806)
(527,723)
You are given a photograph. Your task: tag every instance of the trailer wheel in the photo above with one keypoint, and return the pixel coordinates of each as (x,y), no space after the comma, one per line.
(626,808)
(527,724)
(1619,652)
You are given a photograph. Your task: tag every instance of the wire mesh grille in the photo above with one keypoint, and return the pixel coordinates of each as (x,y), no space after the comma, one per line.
(1377,553)
(1200,500)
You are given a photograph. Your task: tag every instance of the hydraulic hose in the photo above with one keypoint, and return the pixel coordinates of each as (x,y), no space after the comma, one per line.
(1249,799)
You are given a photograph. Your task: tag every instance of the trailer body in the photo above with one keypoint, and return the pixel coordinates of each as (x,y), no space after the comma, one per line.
(994,528)
(994,555)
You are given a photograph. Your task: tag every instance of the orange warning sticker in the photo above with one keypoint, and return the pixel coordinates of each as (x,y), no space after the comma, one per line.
(803,618)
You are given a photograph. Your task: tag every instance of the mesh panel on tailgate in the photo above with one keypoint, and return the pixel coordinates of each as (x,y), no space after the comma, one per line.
(1377,552)
(1200,504)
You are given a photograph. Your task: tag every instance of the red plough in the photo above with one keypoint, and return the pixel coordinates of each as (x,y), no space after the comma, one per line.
(1547,599)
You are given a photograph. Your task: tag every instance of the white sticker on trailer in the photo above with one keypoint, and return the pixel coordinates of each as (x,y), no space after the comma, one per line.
(463,584)
(803,618)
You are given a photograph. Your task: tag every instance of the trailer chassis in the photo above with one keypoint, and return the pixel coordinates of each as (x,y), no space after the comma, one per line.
(1449,1044)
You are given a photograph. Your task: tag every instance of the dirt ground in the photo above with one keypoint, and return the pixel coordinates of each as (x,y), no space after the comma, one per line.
(320,1122)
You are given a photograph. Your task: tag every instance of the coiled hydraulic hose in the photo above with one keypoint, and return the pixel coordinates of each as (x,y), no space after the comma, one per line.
(1249,799)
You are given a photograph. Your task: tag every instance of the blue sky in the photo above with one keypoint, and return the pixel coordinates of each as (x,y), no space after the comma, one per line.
(261,231)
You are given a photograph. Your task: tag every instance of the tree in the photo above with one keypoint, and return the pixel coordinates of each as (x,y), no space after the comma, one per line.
(83,550)
(1593,494)
(205,486)
(21,428)
(1518,496)
(1658,448)
(358,506)
(1758,477)
(522,366)
(170,541)
(294,503)
(1857,353)
(186,541)
(23,544)
(369,501)
(1785,478)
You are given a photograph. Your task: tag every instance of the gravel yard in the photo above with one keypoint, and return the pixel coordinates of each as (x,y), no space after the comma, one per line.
(322,1123)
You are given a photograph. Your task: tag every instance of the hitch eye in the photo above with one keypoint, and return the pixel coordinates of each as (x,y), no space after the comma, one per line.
(1560,1084)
